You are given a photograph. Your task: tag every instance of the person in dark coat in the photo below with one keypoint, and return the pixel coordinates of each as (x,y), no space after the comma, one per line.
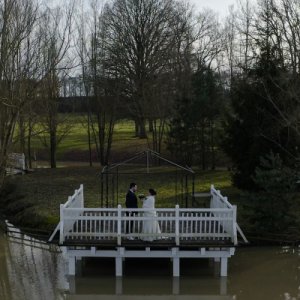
(131,202)
(131,199)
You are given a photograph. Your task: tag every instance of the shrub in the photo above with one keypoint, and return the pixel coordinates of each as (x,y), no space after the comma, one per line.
(271,205)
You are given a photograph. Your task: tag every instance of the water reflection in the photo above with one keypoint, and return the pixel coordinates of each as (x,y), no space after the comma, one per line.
(30,270)
(265,273)
(149,288)
(33,270)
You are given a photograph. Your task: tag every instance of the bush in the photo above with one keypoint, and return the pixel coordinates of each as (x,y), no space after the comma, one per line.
(272,204)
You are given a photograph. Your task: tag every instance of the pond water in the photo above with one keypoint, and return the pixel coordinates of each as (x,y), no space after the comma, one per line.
(34,271)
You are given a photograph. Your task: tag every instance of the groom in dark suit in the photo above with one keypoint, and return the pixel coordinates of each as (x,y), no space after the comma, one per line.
(131,202)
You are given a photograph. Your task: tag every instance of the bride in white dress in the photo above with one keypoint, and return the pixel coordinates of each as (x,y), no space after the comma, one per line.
(150,227)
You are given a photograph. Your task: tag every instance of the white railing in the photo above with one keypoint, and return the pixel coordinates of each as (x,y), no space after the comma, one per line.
(219,201)
(76,201)
(177,224)
(15,163)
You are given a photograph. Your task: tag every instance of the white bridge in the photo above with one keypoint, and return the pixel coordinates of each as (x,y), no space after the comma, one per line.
(185,232)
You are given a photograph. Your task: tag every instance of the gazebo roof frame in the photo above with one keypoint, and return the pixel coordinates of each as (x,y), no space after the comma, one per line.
(108,168)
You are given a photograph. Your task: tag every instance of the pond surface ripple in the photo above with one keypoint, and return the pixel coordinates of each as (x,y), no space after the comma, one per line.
(36,271)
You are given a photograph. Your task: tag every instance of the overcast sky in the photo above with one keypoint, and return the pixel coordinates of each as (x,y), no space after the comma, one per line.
(220,6)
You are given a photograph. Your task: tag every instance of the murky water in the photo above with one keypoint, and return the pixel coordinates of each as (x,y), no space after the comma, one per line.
(34,271)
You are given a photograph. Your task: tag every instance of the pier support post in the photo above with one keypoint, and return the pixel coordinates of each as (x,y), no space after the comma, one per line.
(216,259)
(72,284)
(176,262)
(176,269)
(72,264)
(224,261)
(119,286)
(223,286)
(78,265)
(119,267)
(176,286)
(119,262)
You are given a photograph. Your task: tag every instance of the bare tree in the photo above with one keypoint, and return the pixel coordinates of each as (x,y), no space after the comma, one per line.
(285,28)
(209,39)
(86,24)
(175,79)
(17,64)
(140,42)
(230,43)
(55,32)
(105,87)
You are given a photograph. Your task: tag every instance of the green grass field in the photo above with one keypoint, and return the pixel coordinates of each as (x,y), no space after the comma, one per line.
(74,146)
(42,191)
(34,198)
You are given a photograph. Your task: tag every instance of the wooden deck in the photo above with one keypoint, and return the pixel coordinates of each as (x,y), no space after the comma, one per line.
(140,244)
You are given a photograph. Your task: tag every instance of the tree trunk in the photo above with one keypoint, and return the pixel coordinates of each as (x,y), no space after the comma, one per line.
(22,135)
(203,148)
(89,140)
(142,132)
(29,159)
(150,125)
(2,175)
(53,145)
(136,127)
(110,132)
(154,135)
(212,145)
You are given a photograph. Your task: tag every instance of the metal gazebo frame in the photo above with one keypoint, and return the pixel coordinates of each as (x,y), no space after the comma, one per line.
(112,183)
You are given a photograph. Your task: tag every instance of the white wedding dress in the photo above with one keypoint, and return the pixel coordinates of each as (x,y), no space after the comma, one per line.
(150,227)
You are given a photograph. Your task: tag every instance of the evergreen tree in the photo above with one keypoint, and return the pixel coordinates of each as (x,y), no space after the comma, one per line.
(255,127)
(272,205)
(192,129)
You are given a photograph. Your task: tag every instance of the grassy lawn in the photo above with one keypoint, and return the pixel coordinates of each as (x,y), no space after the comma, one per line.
(34,199)
(74,146)
(42,191)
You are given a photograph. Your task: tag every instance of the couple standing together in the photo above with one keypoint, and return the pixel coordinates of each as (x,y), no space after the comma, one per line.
(151,226)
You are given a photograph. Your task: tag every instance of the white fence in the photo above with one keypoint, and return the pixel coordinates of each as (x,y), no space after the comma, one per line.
(218,201)
(180,225)
(74,202)
(15,163)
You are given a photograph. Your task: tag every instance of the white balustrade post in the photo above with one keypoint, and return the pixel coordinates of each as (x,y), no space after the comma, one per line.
(81,196)
(211,195)
(226,203)
(119,222)
(61,229)
(177,225)
(234,231)
(23,162)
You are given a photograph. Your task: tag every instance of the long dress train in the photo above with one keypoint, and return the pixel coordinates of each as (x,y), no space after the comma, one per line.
(150,227)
